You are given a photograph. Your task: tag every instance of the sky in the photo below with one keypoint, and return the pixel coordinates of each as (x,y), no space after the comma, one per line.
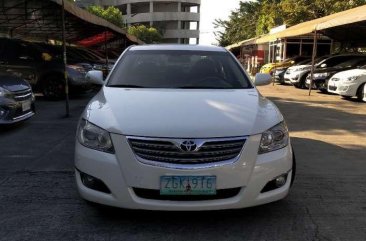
(211,10)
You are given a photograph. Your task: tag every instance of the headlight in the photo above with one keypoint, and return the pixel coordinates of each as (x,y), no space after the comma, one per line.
(273,139)
(352,78)
(4,92)
(94,137)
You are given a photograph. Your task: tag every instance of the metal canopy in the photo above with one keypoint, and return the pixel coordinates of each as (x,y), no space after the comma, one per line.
(349,25)
(42,20)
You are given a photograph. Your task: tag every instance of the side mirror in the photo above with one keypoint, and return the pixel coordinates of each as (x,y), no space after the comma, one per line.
(323,65)
(262,79)
(95,77)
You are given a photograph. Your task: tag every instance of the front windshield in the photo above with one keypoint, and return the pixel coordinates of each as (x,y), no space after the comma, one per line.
(178,69)
(350,63)
(320,60)
(304,62)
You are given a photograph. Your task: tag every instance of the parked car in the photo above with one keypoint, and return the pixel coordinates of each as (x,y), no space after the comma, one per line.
(16,99)
(296,75)
(97,62)
(279,73)
(179,127)
(269,68)
(349,83)
(322,75)
(42,69)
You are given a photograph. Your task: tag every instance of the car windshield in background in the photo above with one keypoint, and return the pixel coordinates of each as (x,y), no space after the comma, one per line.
(178,69)
(320,60)
(351,63)
(306,61)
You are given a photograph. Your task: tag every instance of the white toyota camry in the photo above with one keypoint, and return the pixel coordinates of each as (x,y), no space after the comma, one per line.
(179,127)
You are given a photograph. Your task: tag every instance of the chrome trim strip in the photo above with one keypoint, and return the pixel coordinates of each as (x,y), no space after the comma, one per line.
(188,166)
(23,116)
(22,96)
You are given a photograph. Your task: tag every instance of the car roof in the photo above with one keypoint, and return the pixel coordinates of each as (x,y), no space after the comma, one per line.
(188,47)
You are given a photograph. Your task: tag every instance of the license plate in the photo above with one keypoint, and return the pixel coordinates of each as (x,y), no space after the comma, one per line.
(26,106)
(188,185)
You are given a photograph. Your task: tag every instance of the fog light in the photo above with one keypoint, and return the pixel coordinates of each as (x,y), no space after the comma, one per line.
(280,181)
(93,183)
(2,112)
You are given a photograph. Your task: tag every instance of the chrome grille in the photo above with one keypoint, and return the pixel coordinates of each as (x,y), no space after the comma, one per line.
(22,95)
(168,151)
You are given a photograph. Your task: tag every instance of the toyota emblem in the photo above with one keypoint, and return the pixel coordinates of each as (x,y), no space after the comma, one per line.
(188,146)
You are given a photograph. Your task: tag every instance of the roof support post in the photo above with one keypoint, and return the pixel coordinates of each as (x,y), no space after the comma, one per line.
(106,51)
(315,46)
(65,60)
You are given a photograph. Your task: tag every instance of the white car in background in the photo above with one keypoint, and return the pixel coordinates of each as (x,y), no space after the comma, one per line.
(179,127)
(296,75)
(349,83)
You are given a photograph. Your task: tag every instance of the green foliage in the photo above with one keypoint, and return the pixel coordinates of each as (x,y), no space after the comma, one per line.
(241,24)
(269,16)
(111,14)
(148,35)
(257,17)
(297,11)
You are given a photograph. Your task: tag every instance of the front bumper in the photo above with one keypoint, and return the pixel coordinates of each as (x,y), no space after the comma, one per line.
(293,77)
(342,88)
(11,111)
(122,172)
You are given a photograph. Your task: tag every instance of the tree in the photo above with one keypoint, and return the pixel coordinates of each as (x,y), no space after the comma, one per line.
(111,14)
(241,24)
(297,11)
(257,17)
(148,35)
(269,16)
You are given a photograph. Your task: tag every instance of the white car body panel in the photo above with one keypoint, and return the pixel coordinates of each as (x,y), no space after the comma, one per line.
(339,84)
(294,74)
(122,172)
(182,113)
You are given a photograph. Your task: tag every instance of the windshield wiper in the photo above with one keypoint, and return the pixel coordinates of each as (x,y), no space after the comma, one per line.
(198,87)
(127,86)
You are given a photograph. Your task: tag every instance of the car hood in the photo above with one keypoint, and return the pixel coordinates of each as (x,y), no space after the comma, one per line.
(13,83)
(350,73)
(182,113)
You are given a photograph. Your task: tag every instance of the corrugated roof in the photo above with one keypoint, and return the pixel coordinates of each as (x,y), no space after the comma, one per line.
(41,19)
(242,43)
(350,16)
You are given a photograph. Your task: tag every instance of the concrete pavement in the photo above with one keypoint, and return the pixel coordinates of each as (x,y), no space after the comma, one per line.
(38,199)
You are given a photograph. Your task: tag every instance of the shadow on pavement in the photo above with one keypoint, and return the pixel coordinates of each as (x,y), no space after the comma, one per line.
(318,117)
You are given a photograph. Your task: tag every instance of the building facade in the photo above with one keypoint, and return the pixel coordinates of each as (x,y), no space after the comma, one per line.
(177,20)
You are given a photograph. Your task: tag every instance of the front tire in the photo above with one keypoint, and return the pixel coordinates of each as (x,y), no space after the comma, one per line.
(360,92)
(53,87)
(293,168)
(302,81)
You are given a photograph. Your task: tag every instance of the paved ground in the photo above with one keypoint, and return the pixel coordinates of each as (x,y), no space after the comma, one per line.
(38,200)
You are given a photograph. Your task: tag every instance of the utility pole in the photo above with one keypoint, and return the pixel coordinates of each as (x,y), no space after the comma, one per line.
(65,61)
